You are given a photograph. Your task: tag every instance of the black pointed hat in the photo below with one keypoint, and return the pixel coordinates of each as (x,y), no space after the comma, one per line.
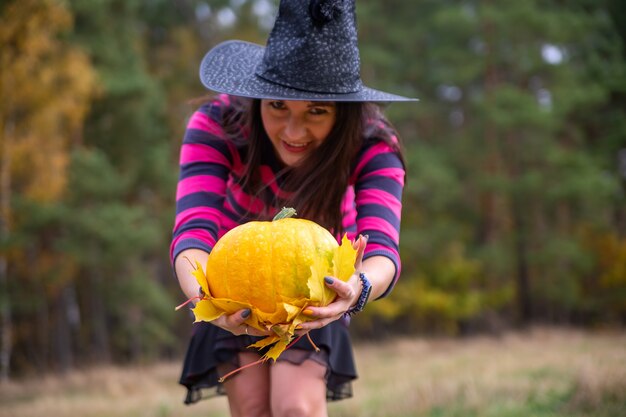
(311,54)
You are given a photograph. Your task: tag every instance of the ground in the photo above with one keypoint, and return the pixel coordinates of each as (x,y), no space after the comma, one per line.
(541,372)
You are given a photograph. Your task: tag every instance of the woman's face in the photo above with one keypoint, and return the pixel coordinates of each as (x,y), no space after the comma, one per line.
(296,128)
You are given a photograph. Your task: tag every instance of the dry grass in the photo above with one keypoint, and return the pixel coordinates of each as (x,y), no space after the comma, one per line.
(543,372)
(536,373)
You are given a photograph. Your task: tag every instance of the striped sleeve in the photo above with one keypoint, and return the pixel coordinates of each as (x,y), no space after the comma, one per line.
(206,160)
(378,189)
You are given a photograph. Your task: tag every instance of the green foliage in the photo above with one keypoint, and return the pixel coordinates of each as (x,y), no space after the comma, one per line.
(140,311)
(511,154)
(514,208)
(90,267)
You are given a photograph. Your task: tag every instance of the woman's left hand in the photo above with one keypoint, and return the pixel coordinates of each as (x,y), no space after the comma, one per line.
(347,295)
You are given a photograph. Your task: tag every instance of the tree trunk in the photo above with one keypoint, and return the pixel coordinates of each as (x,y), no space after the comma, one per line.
(6,318)
(619,215)
(100,340)
(522,276)
(65,312)
(492,166)
(7,323)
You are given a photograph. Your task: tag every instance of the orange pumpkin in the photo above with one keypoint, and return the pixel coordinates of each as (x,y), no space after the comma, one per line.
(276,269)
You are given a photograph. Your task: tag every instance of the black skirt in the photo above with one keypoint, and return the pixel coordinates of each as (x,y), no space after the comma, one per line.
(211,346)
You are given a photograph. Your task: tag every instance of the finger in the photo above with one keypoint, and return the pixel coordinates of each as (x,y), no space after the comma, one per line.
(237,319)
(333,310)
(359,241)
(359,245)
(317,324)
(345,294)
(342,289)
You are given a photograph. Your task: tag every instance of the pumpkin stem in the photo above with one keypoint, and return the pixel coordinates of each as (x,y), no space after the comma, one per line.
(285,213)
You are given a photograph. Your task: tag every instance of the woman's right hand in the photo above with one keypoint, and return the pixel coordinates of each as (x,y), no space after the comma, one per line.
(234,323)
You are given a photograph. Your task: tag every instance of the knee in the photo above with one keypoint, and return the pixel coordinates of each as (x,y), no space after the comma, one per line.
(292,407)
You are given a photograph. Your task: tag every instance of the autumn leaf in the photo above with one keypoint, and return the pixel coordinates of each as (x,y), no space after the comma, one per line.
(279,315)
(265,342)
(343,260)
(277,349)
(200,276)
(292,311)
(320,294)
(205,310)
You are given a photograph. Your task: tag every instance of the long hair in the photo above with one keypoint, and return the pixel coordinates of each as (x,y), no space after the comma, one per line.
(316,187)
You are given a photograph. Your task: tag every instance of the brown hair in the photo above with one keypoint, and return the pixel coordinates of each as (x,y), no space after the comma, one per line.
(318,185)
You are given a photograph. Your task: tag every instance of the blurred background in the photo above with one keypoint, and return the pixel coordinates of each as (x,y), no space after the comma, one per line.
(514,212)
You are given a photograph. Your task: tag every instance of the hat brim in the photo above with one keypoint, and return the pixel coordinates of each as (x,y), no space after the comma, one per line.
(230,68)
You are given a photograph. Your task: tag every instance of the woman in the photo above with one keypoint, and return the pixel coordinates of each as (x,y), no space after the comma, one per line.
(294,126)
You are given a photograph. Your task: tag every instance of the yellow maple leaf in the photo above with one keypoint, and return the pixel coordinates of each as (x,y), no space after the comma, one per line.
(320,294)
(205,310)
(277,349)
(200,276)
(343,260)
(265,341)
(292,311)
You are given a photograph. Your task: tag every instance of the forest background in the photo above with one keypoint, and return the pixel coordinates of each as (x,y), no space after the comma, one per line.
(514,212)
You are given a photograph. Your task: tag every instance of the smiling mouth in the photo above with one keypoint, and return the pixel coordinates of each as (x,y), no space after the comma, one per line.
(295,147)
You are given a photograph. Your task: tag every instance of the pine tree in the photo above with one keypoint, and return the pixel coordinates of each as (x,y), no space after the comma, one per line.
(501,160)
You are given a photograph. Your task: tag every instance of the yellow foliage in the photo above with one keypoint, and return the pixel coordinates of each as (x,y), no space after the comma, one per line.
(612,257)
(276,269)
(46,85)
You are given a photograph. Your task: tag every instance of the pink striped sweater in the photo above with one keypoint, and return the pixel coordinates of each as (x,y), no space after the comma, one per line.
(209,202)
